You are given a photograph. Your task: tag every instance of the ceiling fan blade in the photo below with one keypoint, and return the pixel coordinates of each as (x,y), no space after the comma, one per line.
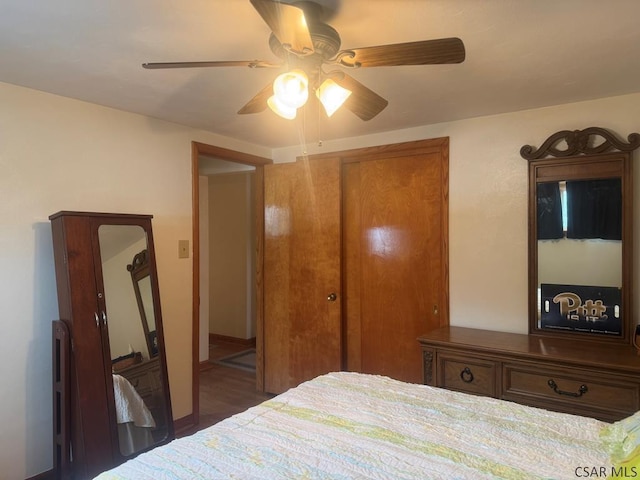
(426,52)
(365,103)
(231,63)
(288,24)
(259,102)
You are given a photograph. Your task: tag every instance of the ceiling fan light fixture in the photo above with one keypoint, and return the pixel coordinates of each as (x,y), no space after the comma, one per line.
(280,108)
(291,88)
(332,96)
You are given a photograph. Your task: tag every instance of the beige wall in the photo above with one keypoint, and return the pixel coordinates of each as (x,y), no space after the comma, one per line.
(61,154)
(488,200)
(231,255)
(57,153)
(570,261)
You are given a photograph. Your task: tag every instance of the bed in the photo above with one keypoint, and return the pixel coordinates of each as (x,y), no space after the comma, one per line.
(347,425)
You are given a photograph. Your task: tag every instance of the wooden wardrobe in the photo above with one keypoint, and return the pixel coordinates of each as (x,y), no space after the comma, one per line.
(355,261)
(109,335)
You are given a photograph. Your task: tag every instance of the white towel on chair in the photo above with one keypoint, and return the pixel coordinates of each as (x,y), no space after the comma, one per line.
(129,404)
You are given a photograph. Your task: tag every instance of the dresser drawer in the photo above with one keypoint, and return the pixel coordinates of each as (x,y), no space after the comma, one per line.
(144,377)
(469,375)
(577,390)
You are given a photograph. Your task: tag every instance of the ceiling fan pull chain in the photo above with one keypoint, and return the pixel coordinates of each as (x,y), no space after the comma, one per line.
(318,126)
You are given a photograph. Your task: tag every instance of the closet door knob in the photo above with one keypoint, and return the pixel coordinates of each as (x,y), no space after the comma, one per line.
(332,297)
(97,319)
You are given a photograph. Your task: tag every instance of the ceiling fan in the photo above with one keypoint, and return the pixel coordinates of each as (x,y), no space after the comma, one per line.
(305,44)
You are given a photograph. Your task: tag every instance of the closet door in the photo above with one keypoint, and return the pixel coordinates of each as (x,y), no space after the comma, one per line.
(302,290)
(395,256)
(370,226)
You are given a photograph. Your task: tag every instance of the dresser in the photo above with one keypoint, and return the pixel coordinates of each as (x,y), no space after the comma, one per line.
(566,375)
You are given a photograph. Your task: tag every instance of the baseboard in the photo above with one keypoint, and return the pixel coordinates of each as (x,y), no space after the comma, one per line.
(249,342)
(206,365)
(48,475)
(185,426)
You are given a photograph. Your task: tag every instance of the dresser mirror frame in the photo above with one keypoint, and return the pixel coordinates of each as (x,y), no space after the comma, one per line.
(590,154)
(139,270)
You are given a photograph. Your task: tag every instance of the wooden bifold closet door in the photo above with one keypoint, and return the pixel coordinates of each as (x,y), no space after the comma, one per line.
(301,269)
(371,227)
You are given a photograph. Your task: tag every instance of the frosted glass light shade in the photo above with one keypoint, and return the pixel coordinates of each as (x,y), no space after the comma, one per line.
(332,96)
(291,88)
(280,108)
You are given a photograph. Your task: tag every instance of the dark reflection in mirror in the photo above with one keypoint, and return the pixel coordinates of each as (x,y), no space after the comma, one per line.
(580,209)
(138,390)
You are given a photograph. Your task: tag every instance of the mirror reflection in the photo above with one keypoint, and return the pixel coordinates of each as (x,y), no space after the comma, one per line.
(139,269)
(579,241)
(138,389)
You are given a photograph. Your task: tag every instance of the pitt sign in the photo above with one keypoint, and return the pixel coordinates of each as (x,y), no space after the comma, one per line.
(581,308)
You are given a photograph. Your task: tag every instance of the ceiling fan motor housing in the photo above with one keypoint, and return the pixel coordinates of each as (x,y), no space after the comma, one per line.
(325,38)
(326,43)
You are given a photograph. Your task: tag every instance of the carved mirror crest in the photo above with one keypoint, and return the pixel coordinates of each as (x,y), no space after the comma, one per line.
(580,235)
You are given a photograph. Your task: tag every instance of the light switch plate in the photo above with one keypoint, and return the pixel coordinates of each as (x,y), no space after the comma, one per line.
(183,248)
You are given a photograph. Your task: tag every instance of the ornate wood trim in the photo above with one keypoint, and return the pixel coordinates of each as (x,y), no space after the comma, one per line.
(580,142)
(427,365)
(140,260)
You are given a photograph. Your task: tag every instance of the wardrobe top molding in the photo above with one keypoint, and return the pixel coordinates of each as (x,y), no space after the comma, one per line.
(99,214)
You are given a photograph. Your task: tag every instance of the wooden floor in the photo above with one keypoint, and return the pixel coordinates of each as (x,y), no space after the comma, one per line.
(225,391)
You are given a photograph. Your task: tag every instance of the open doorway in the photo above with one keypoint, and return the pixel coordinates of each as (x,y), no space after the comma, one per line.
(245,172)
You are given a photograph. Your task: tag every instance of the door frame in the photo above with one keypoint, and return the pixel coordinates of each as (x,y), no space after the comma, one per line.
(198,149)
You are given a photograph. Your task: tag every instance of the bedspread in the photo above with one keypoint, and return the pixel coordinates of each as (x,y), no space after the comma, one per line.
(348,425)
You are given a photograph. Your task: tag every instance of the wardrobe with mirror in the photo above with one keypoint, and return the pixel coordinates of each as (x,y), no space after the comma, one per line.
(111,391)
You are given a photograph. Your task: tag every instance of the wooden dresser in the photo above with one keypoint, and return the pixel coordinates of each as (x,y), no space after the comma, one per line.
(579,377)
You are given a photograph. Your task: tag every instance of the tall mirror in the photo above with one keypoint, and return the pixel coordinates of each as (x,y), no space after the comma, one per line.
(141,280)
(141,407)
(580,235)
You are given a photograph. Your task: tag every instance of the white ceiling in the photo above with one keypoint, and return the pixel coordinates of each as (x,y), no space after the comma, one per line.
(520,54)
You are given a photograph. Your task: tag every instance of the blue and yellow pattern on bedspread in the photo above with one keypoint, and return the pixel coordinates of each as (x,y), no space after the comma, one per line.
(348,426)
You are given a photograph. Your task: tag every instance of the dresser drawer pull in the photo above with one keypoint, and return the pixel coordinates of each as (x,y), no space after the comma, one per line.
(581,391)
(466,375)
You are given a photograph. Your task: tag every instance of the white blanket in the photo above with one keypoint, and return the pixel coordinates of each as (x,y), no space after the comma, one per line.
(129,405)
(349,425)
